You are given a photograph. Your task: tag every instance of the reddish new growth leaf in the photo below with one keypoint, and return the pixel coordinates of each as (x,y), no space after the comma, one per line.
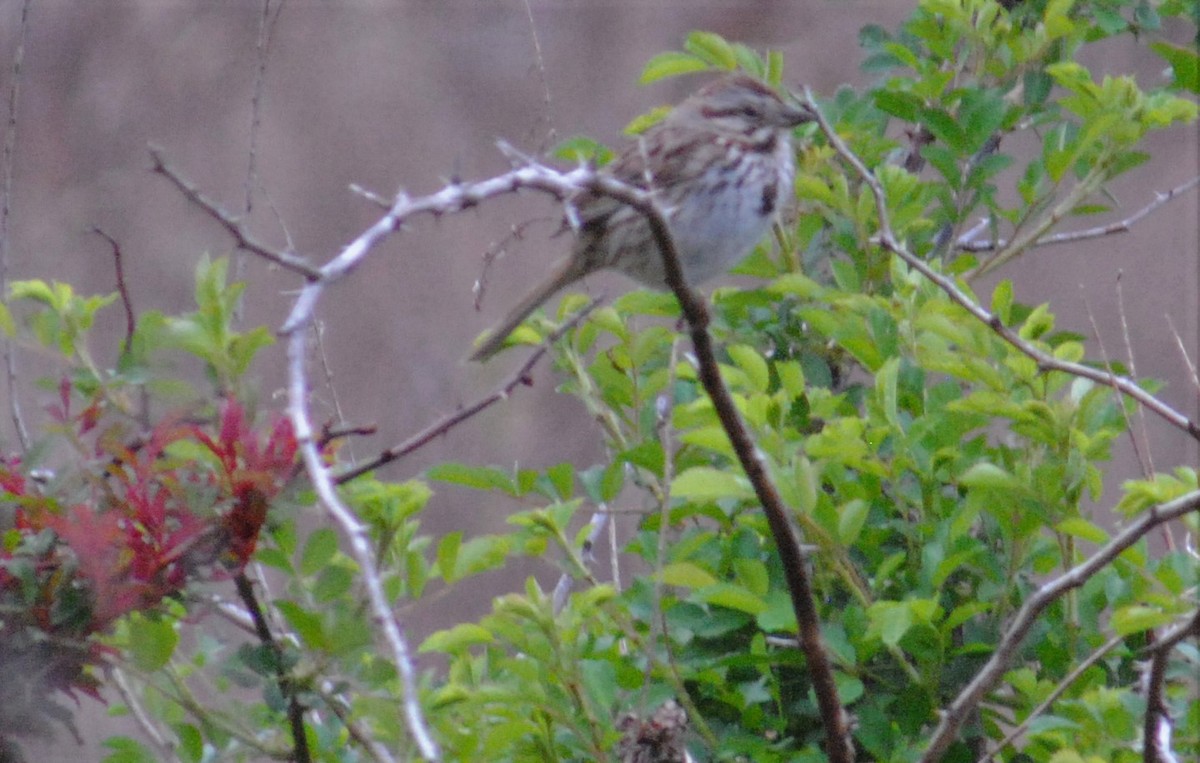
(162,520)
(254,473)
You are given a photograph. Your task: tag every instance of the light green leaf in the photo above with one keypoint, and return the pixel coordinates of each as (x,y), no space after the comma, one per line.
(1081,528)
(151,641)
(851,519)
(671,64)
(732,596)
(1137,618)
(985,475)
(753,364)
(704,483)
(318,551)
(687,575)
(712,48)
(457,639)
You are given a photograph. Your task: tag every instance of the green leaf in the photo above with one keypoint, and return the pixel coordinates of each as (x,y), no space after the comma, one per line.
(704,483)
(1185,64)
(318,551)
(151,641)
(851,519)
(711,48)
(191,742)
(307,625)
(600,681)
(753,364)
(457,639)
(686,575)
(889,621)
(581,149)
(1137,618)
(126,750)
(671,64)
(985,475)
(333,582)
(1081,528)
(477,477)
(752,574)
(1002,301)
(733,597)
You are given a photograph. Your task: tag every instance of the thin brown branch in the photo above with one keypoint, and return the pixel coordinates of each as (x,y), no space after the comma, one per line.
(10,144)
(1107,359)
(287,686)
(235,229)
(122,288)
(1045,361)
(839,746)
(446,423)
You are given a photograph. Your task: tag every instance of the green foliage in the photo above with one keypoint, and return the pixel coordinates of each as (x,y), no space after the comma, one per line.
(937,474)
(937,471)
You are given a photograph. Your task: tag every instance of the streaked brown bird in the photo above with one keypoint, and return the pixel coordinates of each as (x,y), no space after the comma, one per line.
(722,165)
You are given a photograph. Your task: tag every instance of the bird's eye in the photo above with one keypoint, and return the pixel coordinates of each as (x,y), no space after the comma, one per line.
(749,111)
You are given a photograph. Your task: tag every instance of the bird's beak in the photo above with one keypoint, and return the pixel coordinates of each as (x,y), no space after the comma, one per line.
(797,115)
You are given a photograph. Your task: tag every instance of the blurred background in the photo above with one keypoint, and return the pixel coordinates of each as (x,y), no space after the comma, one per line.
(408,94)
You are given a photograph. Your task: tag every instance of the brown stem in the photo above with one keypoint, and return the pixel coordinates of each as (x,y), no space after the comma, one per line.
(838,743)
(245,589)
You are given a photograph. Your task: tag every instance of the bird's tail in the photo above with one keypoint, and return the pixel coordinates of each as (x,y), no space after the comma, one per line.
(565,272)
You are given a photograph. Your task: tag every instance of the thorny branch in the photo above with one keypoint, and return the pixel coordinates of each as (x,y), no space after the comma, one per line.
(235,229)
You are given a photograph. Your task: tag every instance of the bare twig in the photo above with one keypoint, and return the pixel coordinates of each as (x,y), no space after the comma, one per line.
(10,143)
(1104,356)
(131,700)
(1141,412)
(446,423)
(122,288)
(235,229)
(1045,360)
(540,64)
(965,244)
(1183,353)
(262,46)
